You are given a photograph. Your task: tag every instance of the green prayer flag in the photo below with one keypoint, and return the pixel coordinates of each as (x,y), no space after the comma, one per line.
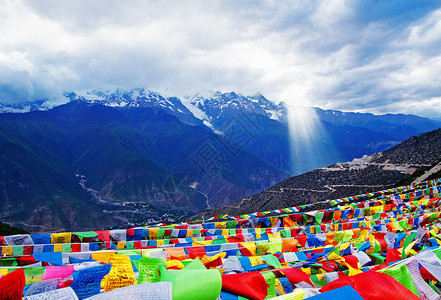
(219,241)
(259,249)
(67,248)
(148,269)
(317,229)
(34,274)
(130,245)
(379,258)
(270,279)
(132,252)
(231,224)
(402,275)
(275,246)
(187,282)
(8,262)
(315,279)
(285,233)
(377,246)
(271,260)
(85,234)
(347,235)
(319,217)
(304,219)
(160,232)
(17,250)
(407,242)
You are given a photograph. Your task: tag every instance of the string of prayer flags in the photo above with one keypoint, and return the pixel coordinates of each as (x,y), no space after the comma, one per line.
(380,245)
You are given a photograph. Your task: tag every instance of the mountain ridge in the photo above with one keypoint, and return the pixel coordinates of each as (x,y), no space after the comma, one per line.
(139,97)
(141,155)
(261,122)
(114,161)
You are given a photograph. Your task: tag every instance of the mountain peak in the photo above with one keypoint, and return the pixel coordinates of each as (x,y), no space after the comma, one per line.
(209,107)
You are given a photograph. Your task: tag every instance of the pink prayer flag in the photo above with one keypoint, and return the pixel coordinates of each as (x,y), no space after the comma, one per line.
(58,271)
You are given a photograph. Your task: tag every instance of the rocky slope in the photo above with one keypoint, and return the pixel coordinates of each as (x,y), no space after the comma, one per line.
(416,155)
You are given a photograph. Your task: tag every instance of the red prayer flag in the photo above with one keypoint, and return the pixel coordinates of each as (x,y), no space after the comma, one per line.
(296,276)
(373,286)
(251,285)
(12,285)
(393,255)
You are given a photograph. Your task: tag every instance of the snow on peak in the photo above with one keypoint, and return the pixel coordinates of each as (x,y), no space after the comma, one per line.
(120,98)
(195,110)
(206,106)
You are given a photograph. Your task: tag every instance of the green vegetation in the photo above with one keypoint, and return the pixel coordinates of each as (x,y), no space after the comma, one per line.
(6,229)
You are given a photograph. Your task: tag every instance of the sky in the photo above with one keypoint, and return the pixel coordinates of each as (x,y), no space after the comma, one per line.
(366,56)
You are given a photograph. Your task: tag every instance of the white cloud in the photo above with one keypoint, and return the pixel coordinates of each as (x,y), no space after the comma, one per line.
(333,54)
(409,106)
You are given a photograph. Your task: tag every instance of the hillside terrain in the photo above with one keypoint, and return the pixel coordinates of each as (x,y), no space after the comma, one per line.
(416,159)
(120,158)
(81,165)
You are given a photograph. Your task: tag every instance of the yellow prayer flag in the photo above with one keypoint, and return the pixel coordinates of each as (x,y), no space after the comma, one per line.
(61,238)
(58,248)
(273,221)
(153,233)
(255,260)
(175,263)
(203,243)
(220,225)
(7,250)
(250,246)
(103,256)
(279,287)
(121,274)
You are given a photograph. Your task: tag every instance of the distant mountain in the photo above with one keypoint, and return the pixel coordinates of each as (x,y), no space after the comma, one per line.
(414,160)
(266,129)
(82,165)
(116,158)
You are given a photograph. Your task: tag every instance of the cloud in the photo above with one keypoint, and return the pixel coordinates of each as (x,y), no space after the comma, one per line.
(357,55)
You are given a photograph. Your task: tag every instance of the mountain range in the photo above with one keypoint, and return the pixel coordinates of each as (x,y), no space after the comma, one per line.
(119,158)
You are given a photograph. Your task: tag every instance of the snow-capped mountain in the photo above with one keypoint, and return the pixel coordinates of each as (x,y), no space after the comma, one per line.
(120,156)
(218,103)
(137,97)
(39,105)
(196,110)
(259,125)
